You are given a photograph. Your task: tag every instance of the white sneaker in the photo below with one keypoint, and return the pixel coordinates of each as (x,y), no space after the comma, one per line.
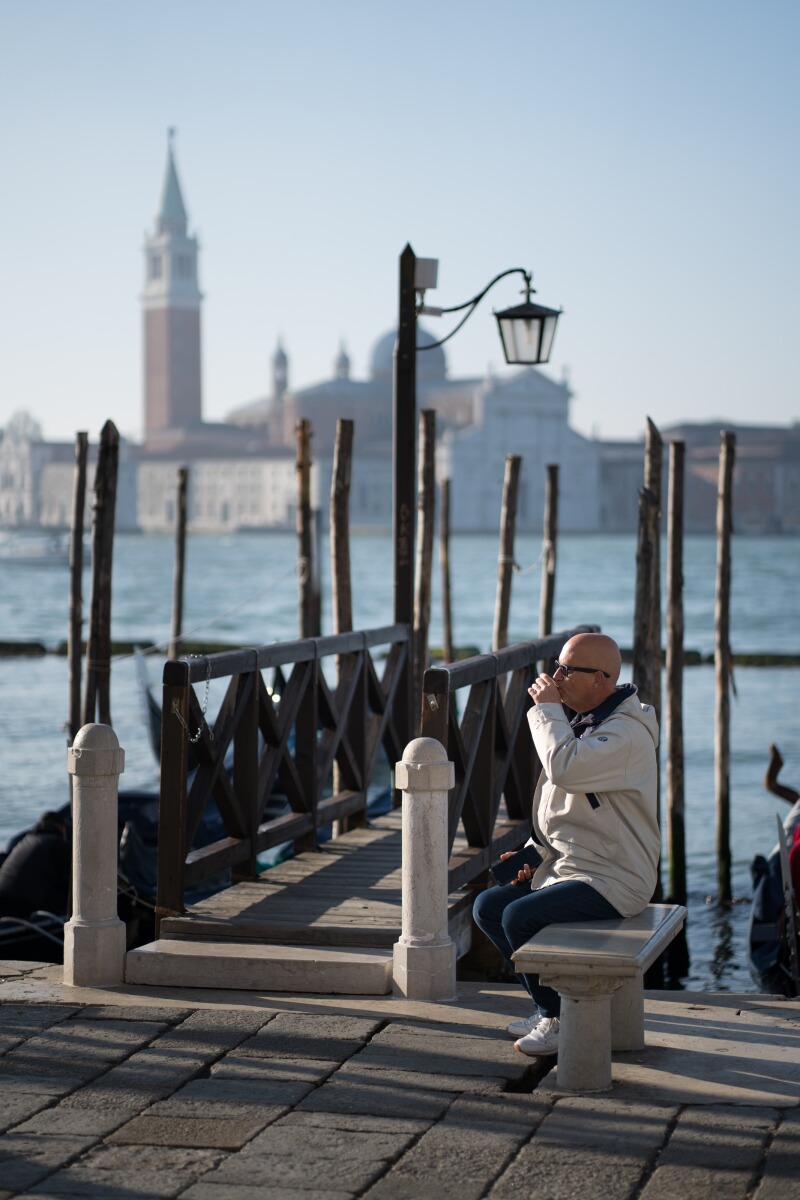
(542,1039)
(524,1025)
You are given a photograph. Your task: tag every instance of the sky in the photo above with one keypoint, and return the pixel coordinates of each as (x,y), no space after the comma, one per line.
(640,157)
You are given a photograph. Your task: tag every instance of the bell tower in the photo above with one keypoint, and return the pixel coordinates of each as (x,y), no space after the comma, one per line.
(171,310)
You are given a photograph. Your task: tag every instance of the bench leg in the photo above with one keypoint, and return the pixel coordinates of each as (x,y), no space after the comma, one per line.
(584,1040)
(627,1015)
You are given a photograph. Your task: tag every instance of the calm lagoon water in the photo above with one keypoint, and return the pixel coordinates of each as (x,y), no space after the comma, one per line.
(243,589)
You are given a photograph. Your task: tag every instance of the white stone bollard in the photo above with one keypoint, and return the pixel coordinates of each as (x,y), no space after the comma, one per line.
(94,939)
(425,956)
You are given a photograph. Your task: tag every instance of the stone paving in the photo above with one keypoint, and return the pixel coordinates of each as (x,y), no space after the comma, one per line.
(125,1093)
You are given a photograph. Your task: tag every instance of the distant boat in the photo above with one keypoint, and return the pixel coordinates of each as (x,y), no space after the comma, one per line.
(34,549)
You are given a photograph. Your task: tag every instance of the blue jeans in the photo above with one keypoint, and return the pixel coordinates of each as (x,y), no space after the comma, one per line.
(509,917)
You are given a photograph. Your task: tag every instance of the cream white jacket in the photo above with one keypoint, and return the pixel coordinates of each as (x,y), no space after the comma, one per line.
(594,808)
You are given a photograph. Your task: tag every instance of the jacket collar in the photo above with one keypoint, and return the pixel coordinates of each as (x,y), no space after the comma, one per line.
(583,722)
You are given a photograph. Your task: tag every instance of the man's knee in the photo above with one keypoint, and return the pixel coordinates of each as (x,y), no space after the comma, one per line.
(484,906)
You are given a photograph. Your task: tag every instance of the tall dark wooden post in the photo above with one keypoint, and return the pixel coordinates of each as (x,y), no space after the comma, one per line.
(647,615)
(75,625)
(341,582)
(305,543)
(404,430)
(180,563)
(549,544)
(722,667)
(97,697)
(678,954)
(505,564)
(426,504)
(341,586)
(444,562)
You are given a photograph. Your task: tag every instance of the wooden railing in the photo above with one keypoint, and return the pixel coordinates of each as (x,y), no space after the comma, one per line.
(490,744)
(281,735)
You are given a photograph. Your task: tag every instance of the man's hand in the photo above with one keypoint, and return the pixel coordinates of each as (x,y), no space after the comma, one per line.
(544,691)
(523,876)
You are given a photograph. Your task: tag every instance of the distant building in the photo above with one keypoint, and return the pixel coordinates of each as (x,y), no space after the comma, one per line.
(242,470)
(171,302)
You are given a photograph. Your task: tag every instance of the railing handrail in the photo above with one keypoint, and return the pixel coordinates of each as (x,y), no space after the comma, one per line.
(197,668)
(307,733)
(481,667)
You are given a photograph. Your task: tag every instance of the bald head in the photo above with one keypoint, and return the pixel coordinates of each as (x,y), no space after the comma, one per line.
(598,652)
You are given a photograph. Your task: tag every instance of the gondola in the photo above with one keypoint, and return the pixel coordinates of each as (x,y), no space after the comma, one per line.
(772,958)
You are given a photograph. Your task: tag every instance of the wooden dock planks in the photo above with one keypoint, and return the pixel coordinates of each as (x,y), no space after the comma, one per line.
(347,893)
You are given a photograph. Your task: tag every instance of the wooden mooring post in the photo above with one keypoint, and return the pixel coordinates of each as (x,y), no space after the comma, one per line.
(549,546)
(75,626)
(97,696)
(646,670)
(678,954)
(180,563)
(647,611)
(505,561)
(722,667)
(341,581)
(307,608)
(426,504)
(444,563)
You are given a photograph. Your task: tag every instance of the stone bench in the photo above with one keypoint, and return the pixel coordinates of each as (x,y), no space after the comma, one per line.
(597,968)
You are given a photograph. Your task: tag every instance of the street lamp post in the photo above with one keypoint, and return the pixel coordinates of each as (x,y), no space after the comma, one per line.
(526,331)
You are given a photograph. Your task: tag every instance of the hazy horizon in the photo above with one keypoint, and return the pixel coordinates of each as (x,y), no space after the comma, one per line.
(637,158)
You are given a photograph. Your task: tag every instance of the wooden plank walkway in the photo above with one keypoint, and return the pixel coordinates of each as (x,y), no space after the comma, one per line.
(347,893)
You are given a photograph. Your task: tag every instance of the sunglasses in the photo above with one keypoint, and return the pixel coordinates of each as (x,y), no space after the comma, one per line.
(566,670)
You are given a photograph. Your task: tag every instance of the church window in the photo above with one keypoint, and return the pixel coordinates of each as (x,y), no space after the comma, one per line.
(183,266)
(155,266)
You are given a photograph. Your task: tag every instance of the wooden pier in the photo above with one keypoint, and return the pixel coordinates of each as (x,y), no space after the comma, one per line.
(328,918)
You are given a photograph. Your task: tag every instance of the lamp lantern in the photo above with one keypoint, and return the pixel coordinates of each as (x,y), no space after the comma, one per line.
(527,332)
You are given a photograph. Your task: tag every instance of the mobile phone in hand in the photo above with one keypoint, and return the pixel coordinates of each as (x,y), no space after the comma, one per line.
(507,869)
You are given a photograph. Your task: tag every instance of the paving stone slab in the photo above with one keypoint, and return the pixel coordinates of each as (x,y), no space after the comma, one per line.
(300,1143)
(779,1180)
(587,1146)
(90,1041)
(505,1113)
(16,1106)
(57,1083)
(17,1067)
(212,1133)
(210,1191)
(25,1160)
(712,1152)
(360,1122)
(452,1162)
(417,1103)
(125,1097)
(238,1066)
(27,1019)
(343,1174)
(61,1122)
(133,1012)
(210,1034)
(442,1051)
(310,1035)
(213,1095)
(398,1077)
(130,1171)
(148,1075)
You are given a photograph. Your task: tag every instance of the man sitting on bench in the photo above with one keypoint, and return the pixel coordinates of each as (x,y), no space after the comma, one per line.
(594,818)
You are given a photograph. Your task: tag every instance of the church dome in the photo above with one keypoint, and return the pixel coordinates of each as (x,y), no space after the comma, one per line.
(431,364)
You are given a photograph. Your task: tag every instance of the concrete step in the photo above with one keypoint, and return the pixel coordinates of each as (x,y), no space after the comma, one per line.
(259,967)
